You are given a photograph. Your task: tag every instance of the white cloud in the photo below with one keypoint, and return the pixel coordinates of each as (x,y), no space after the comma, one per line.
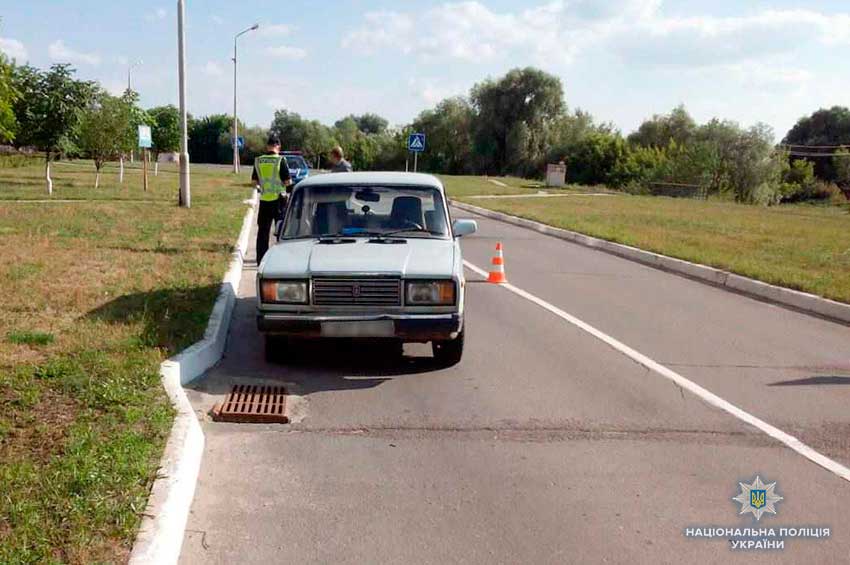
(13,49)
(382,29)
(213,69)
(432,91)
(217,20)
(61,53)
(275,30)
(554,33)
(287,52)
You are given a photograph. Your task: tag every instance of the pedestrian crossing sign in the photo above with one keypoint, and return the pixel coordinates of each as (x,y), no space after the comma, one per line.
(416,142)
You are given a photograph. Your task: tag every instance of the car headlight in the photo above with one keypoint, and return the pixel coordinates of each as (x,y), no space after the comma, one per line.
(431,293)
(284,292)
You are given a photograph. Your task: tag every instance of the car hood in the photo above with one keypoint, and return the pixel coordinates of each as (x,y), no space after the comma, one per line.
(416,257)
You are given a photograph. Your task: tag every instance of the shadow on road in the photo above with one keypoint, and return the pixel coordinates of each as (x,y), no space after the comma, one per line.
(314,366)
(819,380)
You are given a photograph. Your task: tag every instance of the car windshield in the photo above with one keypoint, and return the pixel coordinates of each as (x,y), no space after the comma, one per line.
(408,211)
(295,162)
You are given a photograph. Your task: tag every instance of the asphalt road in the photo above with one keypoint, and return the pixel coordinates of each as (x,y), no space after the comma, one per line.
(545,445)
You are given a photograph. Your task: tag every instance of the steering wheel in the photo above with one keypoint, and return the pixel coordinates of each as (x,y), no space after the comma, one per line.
(413,224)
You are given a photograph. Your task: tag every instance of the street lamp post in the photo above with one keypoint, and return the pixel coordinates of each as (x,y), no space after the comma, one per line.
(185,193)
(130,68)
(235,123)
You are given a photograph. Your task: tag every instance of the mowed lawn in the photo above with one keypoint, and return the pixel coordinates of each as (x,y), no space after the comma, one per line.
(800,246)
(96,293)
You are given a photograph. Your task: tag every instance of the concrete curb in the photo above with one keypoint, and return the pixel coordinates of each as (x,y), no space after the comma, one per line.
(801,301)
(160,535)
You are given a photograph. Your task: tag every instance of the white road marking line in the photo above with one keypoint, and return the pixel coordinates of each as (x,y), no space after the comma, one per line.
(704,394)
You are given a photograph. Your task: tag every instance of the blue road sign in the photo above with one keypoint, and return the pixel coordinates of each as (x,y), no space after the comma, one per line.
(145,140)
(240,142)
(416,142)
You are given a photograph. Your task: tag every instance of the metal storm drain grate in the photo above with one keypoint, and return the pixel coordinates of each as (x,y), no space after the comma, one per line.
(253,404)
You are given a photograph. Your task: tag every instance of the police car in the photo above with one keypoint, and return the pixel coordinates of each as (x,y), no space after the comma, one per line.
(298,167)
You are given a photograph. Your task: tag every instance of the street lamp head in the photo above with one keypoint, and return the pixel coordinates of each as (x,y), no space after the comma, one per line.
(255,27)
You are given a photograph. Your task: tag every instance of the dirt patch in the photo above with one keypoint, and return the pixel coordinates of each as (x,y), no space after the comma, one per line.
(54,412)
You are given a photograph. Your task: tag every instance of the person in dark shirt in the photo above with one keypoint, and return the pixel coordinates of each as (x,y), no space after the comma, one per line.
(338,162)
(271,175)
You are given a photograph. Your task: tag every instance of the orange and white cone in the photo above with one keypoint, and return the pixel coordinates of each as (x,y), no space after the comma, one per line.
(497,270)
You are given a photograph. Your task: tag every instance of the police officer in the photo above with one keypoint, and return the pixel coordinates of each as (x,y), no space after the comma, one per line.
(271,174)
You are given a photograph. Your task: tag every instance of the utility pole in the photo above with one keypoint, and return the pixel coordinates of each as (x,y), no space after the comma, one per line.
(185,193)
(235,122)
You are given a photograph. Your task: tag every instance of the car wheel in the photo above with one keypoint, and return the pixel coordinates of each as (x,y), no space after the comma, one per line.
(276,348)
(448,352)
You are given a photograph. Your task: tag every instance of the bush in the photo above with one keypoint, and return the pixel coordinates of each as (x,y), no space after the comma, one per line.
(798,181)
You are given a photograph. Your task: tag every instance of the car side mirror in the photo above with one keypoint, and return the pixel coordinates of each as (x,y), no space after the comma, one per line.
(464,227)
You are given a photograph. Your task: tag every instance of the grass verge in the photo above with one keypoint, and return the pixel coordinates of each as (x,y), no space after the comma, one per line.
(800,246)
(96,294)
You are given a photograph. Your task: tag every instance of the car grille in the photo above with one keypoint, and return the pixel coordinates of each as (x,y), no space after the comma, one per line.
(356,292)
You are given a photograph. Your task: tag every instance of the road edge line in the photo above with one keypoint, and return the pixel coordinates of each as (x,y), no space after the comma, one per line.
(704,394)
(793,299)
(159,539)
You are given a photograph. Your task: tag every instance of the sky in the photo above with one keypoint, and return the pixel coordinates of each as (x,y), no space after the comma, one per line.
(620,60)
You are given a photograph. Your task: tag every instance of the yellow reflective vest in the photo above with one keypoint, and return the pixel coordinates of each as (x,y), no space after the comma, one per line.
(268,173)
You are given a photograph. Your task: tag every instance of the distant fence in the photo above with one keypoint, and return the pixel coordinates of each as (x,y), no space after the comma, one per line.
(678,190)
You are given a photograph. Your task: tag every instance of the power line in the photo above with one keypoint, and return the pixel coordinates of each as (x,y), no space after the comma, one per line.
(845,146)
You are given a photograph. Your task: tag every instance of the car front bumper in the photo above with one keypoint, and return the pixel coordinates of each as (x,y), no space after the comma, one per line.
(408,327)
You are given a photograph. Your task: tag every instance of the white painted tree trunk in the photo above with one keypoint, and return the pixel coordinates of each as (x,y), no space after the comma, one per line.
(156,168)
(47,177)
(97,180)
(121,170)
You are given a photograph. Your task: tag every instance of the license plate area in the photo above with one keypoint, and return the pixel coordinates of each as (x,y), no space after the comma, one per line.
(372,328)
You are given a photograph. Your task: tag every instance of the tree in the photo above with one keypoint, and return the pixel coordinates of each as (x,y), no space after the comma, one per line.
(8,96)
(318,140)
(841,164)
(829,127)
(290,128)
(677,126)
(209,139)
(49,108)
(367,123)
(596,157)
(449,133)
(102,130)
(165,122)
(527,96)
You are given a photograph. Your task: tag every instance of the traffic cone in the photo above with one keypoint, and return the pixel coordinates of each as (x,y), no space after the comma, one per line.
(497,271)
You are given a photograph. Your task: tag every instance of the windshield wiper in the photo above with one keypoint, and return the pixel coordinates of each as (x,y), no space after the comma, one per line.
(405,230)
(334,238)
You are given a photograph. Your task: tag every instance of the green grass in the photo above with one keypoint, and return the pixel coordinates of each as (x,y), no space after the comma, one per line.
(96,293)
(30,338)
(464,186)
(802,246)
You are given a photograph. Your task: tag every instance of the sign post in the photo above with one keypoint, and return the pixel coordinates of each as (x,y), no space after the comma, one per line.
(416,145)
(145,142)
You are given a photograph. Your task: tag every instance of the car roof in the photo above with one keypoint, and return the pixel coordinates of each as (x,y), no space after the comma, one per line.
(372,178)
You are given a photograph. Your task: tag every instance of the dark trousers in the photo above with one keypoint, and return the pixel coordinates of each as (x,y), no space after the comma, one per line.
(269,211)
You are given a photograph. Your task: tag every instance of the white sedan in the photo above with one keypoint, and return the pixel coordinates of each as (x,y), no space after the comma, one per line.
(366,255)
